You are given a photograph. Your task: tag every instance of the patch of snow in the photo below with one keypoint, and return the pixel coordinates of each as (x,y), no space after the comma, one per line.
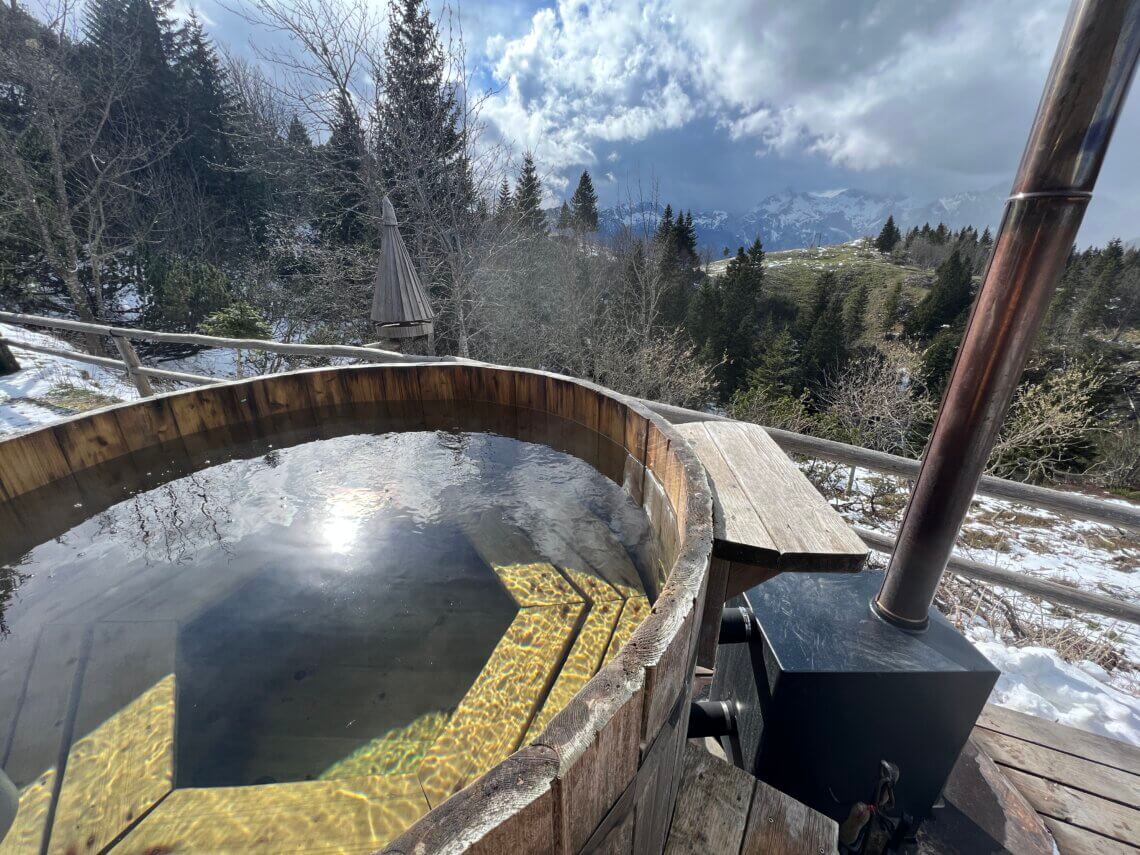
(40,373)
(1035,680)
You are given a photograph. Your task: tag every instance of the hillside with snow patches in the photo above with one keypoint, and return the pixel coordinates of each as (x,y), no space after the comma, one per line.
(1055,683)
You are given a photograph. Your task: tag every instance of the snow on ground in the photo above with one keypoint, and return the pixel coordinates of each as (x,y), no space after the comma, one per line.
(1035,679)
(48,387)
(1092,557)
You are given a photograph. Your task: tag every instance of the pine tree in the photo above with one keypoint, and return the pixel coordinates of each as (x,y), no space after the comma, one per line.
(891,306)
(949,297)
(343,200)
(204,104)
(421,145)
(528,198)
(889,236)
(565,218)
(505,204)
(855,313)
(298,135)
(584,205)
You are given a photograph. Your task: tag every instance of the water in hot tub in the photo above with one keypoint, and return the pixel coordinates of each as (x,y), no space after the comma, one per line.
(342,603)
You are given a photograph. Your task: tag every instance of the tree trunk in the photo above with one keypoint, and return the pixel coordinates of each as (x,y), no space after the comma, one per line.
(8,363)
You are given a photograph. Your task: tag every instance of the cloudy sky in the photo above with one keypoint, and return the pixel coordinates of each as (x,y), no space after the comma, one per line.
(722,103)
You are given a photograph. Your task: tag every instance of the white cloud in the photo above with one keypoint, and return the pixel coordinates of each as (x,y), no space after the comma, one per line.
(950,85)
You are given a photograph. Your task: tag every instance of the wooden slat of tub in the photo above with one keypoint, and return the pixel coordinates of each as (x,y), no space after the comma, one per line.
(1077,772)
(91,440)
(712,805)
(788,516)
(305,816)
(30,461)
(494,715)
(594,775)
(1066,804)
(1099,749)
(116,773)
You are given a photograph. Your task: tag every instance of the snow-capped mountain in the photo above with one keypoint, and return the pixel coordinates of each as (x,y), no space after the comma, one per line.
(792,218)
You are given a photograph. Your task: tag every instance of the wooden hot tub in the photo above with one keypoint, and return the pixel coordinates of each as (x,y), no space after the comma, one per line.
(602,773)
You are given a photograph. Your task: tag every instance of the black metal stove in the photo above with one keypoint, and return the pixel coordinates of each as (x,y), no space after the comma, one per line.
(825,691)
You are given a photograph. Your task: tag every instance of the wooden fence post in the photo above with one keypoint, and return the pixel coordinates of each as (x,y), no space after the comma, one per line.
(131,360)
(8,363)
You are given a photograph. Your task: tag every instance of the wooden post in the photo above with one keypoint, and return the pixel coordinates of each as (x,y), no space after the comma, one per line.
(8,363)
(131,360)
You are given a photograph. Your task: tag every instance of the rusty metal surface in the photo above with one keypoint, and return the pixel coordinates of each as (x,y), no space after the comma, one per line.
(1085,90)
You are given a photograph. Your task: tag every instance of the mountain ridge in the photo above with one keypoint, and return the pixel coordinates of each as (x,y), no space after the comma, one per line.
(791,219)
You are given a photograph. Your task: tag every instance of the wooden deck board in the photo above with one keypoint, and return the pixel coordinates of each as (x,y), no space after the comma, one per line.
(1031,758)
(1085,787)
(712,805)
(725,810)
(1080,743)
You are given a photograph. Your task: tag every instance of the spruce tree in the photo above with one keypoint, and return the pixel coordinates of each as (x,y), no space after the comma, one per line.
(891,306)
(1094,307)
(505,204)
(342,209)
(528,198)
(826,348)
(128,45)
(949,297)
(298,135)
(855,313)
(204,105)
(565,218)
(421,145)
(739,315)
(776,373)
(584,205)
(889,236)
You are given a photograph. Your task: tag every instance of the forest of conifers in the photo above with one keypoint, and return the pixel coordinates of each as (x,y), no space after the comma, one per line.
(152,177)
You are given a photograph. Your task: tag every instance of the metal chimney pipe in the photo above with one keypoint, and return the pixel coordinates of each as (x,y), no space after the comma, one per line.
(1083,96)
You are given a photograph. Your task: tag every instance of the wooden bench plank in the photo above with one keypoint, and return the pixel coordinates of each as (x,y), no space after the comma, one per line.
(1093,813)
(809,533)
(1079,841)
(712,805)
(1077,772)
(1070,740)
(736,522)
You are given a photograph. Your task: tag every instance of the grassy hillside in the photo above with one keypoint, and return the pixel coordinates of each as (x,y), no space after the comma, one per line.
(793,273)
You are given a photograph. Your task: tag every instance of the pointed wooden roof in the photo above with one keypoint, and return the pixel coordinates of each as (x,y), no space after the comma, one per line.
(398,297)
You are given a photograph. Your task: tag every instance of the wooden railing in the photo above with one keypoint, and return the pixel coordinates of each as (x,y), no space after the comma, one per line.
(1072,504)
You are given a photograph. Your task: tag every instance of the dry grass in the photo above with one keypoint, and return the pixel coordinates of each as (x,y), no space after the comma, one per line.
(1021,620)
